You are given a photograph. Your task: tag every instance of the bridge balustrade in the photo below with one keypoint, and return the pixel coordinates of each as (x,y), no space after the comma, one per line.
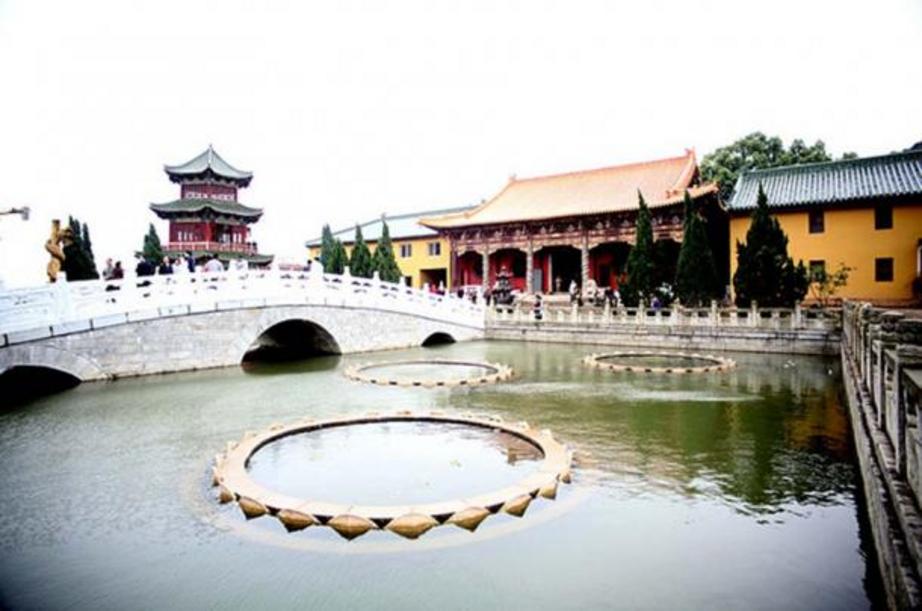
(884,352)
(556,314)
(64,307)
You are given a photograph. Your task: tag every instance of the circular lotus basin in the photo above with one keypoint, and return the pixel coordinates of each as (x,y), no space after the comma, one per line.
(406,462)
(659,362)
(430,373)
(286,471)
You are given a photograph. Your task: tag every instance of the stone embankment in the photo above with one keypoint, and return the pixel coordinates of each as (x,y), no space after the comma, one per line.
(882,365)
(773,330)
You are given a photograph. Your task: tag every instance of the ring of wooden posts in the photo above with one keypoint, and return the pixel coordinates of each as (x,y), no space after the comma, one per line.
(234,484)
(716,363)
(494,372)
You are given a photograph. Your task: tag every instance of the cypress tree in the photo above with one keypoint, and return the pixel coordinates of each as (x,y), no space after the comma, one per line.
(88,246)
(764,272)
(639,283)
(338,259)
(696,276)
(327,245)
(152,251)
(384,261)
(78,262)
(360,264)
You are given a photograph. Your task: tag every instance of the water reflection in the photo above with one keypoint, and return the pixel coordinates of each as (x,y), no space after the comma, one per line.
(761,437)
(394,463)
(270,368)
(729,490)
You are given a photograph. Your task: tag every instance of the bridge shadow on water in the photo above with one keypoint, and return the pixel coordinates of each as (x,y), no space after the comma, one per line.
(21,384)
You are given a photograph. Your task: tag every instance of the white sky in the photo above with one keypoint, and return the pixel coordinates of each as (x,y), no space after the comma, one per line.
(345,110)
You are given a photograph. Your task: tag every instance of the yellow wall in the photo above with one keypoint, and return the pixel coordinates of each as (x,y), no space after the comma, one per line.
(850,238)
(414,265)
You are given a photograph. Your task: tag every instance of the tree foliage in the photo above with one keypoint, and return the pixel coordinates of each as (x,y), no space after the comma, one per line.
(327,246)
(338,259)
(384,261)
(360,263)
(758,151)
(152,250)
(696,275)
(79,261)
(88,246)
(764,272)
(640,272)
(824,285)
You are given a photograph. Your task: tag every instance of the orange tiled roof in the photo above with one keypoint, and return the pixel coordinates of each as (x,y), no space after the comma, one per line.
(612,189)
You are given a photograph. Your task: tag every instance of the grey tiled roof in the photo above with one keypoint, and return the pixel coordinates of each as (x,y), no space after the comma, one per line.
(209,160)
(401,227)
(894,175)
(194,206)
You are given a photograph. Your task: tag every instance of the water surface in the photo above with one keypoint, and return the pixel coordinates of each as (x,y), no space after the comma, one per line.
(412,462)
(725,491)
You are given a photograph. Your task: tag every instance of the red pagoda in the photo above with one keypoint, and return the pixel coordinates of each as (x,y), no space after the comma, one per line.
(207,220)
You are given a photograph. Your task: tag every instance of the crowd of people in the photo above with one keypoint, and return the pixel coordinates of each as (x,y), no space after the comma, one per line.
(169,266)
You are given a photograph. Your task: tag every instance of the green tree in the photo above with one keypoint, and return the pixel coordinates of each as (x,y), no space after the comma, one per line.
(152,250)
(696,276)
(757,151)
(78,256)
(327,245)
(360,263)
(88,245)
(384,261)
(764,272)
(640,273)
(338,258)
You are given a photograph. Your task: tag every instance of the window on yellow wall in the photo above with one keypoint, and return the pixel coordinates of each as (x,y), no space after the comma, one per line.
(817,221)
(883,269)
(406,251)
(435,249)
(817,266)
(883,217)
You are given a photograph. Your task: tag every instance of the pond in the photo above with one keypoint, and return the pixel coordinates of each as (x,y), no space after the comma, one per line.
(732,490)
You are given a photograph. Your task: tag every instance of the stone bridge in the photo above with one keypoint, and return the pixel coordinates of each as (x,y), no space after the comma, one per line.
(99,330)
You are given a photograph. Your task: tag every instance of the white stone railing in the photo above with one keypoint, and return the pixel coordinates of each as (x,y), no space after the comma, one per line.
(796,318)
(886,348)
(882,364)
(34,312)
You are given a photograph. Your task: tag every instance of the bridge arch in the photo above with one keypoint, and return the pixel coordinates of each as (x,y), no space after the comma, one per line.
(438,338)
(22,383)
(29,372)
(50,357)
(289,339)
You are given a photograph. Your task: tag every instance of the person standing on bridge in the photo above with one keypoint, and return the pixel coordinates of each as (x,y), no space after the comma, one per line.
(166,268)
(213,266)
(143,267)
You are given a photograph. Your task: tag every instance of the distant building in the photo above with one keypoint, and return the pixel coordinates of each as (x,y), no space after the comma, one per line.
(864,213)
(207,220)
(423,257)
(549,231)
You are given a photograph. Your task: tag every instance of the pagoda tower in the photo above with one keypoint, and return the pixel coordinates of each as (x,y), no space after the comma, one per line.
(207,220)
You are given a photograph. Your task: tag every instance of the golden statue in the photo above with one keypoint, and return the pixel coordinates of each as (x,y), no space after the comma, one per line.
(59,239)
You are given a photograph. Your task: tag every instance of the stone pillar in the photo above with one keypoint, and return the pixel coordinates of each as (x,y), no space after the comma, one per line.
(584,260)
(529,267)
(452,267)
(485,282)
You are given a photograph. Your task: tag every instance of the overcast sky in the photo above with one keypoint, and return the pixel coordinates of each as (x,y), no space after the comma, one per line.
(344,110)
